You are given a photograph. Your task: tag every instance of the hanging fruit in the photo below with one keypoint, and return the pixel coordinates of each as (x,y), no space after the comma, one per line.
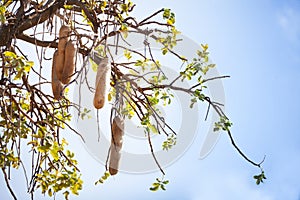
(57,86)
(64,37)
(116,145)
(102,83)
(69,63)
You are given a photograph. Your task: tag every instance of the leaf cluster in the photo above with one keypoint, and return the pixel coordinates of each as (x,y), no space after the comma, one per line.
(224,124)
(260,178)
(159,184)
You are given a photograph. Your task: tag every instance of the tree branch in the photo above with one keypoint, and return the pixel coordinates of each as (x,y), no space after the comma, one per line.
(216,108)
(40,17)
(154,14)
(41,43)
(153,155)
(8,185)
(240,151)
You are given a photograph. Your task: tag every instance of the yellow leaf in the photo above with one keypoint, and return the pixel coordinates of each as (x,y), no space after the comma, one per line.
(10,54)
(27,68)
(103,5)
(93,65)
(127,54)
(204,47)
(170,22)
(64,142)
(153,128)
(109,97)
(124,30)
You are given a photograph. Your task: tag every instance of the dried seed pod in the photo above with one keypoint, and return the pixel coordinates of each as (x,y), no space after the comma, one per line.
(64,37)
(102,83)
(57,86)
(69,64)
(60,60)
(114,161)
(116,145)
(117,130)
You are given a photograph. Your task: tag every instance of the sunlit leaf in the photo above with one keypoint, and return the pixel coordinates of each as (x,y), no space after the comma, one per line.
(10,54)
(68,7)
(94,65)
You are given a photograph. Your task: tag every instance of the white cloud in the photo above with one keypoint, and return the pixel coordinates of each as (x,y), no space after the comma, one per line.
(289,20)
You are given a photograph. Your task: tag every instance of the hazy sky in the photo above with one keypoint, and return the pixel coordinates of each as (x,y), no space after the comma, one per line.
(257,43)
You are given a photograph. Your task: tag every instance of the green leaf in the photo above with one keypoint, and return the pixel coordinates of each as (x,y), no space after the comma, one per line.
(155,184)
(86,19)
(162,187)
(54,154)
(124,7)
(164,51)
(18,75)
(260,178)
(153,129)
(50,192)
(2,14)
(124,30)
(103,5)
(33,143)
(107,174)
(216,129)
(66,194)
(166,13)
(94,65)
(138,63)
(154,188)
(44,149)
(204,47)
(109,97)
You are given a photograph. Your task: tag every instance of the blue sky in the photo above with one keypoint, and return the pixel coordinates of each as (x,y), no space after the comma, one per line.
(257,43)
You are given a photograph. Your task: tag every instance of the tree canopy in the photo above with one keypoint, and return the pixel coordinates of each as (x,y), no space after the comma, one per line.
(32,117)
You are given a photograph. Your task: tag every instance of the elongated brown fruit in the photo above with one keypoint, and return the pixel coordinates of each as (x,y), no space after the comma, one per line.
(60,60)
(57,86)
(117,130)
(64,37)
(116,145)
(102,83)
(69,64)
(64,31)
(114,160)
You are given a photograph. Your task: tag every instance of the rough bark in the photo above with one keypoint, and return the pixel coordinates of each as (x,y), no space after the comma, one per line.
(16,26)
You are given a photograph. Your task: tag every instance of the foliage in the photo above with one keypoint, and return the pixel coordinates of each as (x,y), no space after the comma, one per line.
(31,117)
(159,184)
(103,178)
(224,124)
(260,178)
(169,142)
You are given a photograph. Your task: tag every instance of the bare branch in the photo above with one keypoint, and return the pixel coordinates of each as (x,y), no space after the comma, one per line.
(41,43)
(8,185)
(153,155)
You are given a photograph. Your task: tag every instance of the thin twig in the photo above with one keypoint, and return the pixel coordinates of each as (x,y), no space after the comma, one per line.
(8,185)
(154,14)
(153,155)
(241,153)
